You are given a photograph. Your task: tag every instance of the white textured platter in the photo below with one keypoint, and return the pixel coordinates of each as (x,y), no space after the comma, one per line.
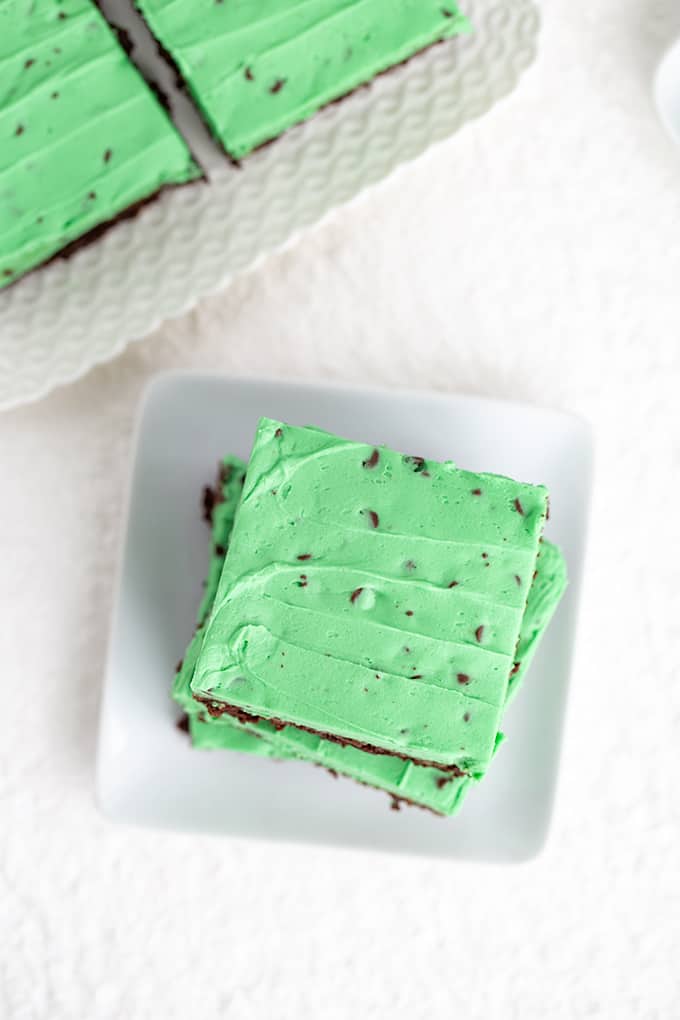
(147,771)
(57,323)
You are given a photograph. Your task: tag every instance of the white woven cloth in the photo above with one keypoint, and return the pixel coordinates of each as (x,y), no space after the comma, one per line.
(535,256)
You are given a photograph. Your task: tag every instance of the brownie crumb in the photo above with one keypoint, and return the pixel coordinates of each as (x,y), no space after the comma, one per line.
(518,507)
(515,669)
(466,717)
(454,584)
(208,503)
(416,676)
(395,803)
(182,723)
(305,556)
(518,580)
(479,633)
(62,15)
(29,63)
(302,583)
(443,780)
(355,595)
(248,74)
(107,155)
(179,665)
(92,195)
(277,86)
(8,272)
(409,612)
(20,129)
(462,678)
(476,492)
(278,433)
(220,550)
(371,461)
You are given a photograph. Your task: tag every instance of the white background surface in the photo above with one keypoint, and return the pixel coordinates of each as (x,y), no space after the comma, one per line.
(537,256)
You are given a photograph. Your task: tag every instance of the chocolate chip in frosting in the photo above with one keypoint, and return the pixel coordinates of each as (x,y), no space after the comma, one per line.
(277,86)
(372,516)
(416,463)
(479,633)
(518,507)
(355,595)
(463,678)
(305,556)
(371,461)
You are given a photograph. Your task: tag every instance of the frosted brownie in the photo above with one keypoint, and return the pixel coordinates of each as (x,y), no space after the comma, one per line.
(428,787)
(372,598)
(82,137)
(256,67)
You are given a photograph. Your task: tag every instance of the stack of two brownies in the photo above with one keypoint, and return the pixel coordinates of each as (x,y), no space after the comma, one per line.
(367,611)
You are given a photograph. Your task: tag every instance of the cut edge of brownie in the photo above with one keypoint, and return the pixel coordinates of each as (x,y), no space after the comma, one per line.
(216,709)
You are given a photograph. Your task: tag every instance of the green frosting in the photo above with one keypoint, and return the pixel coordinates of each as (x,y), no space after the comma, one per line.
(82,137)
(371,596)
(422,785)
(256,67)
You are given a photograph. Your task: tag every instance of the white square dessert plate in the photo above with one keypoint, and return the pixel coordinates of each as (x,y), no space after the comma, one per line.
(148,773)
